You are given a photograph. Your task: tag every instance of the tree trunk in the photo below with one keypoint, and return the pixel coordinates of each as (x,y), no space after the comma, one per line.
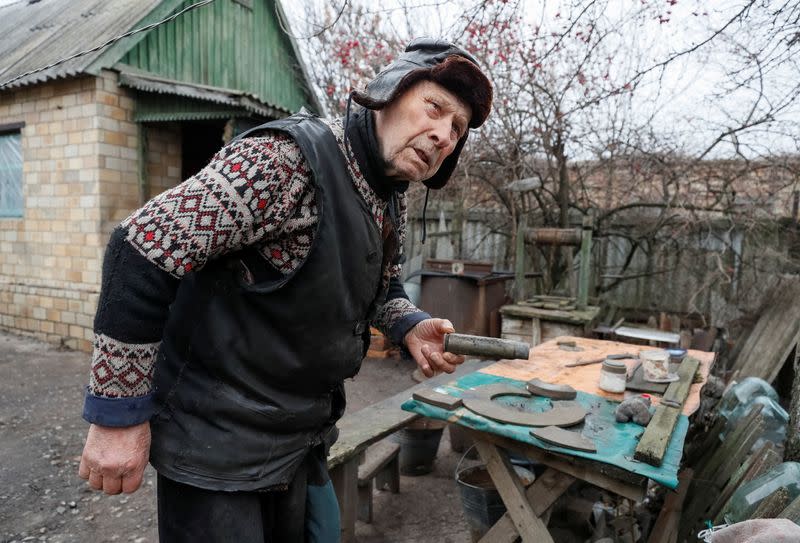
(563,205)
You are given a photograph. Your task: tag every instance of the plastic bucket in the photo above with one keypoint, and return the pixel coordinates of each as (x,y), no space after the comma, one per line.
(480,500)
(418,447)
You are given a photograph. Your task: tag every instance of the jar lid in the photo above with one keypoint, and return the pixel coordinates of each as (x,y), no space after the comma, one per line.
(614,366)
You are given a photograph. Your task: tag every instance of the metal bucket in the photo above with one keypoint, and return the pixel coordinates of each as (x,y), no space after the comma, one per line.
(418,447)
(480,500)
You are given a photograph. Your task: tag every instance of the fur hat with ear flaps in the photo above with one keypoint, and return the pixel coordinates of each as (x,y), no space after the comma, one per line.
(445,64)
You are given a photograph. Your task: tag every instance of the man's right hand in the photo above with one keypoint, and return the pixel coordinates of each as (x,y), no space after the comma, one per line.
(114,459)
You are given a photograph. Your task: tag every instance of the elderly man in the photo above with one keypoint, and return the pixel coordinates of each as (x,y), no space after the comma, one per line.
(234,305)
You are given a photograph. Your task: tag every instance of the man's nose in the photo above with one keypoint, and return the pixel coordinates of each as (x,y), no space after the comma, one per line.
(440,134)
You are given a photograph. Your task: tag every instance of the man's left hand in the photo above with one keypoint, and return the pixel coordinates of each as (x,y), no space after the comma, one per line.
(425,342)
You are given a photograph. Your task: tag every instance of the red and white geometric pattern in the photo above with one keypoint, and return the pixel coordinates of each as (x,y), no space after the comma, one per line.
(121,370)
(254,190)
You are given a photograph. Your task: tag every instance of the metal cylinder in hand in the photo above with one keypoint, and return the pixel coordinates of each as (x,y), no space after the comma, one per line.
(487,347)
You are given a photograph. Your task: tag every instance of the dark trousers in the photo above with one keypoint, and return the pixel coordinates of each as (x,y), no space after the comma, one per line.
(300,514)
(190,514)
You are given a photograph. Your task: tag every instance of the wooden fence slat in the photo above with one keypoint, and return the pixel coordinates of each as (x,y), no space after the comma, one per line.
(773,336)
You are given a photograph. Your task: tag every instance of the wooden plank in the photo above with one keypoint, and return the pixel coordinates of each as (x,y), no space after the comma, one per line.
(653,444)
(519,261)
(360,429)
(585,263)
(708,484)
(345,482)
(575,316)
(611,478)
(665,530)
(773,336)
(529,526)
(378,456)
(734,453)
(542,494)
(364,512)
(792,511)
(536,331)
(700,456)
(761,461)
(772,505)
(707,471)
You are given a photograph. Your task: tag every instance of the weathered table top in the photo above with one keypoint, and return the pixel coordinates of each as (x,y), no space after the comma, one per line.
(615,441)
(548,362)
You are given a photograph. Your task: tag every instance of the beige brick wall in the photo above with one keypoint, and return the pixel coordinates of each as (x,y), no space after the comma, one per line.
(163,157)
(80,150)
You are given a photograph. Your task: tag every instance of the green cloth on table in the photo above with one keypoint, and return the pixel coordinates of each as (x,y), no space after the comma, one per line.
(615,441)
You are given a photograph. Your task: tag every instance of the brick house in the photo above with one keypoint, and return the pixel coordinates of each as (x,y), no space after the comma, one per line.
(84,143)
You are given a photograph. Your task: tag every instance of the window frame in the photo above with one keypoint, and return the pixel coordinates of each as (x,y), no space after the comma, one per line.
(6,130)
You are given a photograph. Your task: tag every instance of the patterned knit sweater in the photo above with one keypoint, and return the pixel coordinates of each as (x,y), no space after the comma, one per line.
(255,192)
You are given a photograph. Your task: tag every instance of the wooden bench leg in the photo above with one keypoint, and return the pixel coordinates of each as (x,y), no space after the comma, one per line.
(345,481)
(542,494)
(389,476)
(365,502)
(527,523)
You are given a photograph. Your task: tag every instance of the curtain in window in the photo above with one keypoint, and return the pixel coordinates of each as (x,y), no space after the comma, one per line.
(10,175)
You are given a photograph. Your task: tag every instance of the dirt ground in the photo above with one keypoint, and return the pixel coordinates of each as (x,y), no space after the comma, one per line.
(41,437)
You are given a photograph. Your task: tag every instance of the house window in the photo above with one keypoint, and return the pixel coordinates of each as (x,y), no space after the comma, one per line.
(10,170)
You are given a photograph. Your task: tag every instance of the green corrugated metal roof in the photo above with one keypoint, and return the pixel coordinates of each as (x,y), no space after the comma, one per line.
(229,45)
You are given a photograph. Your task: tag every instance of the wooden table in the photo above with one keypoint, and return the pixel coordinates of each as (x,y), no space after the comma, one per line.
(528,509)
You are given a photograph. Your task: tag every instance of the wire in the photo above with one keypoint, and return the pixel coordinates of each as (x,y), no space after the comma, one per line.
(285,25)
(107,43)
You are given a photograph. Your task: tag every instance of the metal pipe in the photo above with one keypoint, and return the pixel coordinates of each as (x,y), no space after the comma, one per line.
(488,347)
(554,236)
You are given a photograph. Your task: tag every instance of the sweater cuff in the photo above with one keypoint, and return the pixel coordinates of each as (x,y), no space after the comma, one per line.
(118,412)
(399,330)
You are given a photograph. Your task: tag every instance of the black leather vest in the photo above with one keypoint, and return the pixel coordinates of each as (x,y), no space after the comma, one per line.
(250,369)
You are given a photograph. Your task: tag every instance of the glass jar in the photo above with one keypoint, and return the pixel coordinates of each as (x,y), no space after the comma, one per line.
(613,376)
(774,421)
(743,393)
(749,495)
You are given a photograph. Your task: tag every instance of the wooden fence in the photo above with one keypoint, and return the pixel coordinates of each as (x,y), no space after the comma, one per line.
(717,271)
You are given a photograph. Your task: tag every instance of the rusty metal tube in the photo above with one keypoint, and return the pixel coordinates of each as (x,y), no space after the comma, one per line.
(554,236)
(488,347)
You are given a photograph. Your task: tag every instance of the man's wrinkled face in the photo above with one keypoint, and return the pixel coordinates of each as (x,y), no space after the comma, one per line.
(419,129)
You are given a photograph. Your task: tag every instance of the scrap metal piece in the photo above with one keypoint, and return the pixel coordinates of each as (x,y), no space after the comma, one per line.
(564,438)
(432,397)
(490,347)
(569,346)
(551,390)
(479,400)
